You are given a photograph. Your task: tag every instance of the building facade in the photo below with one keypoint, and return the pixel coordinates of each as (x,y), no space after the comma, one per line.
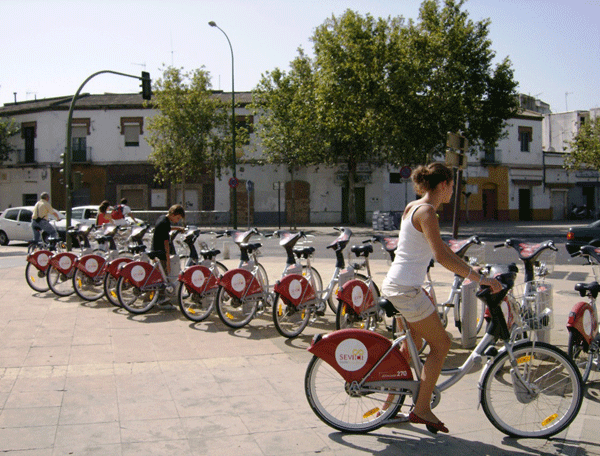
(523,178)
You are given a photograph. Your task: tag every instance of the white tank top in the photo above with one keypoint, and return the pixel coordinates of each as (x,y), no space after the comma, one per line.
(413,255)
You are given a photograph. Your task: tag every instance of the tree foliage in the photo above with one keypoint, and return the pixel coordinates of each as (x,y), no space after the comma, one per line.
(386,91)
(585,147)
(191,134)
(8,128)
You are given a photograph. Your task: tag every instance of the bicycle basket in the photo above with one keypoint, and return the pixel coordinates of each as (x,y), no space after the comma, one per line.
(545,263)
(535,300)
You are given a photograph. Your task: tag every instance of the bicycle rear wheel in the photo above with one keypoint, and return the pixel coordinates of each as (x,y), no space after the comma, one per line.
(60,284)
(35,278)
(582,359)
(194,306)
(133,299)
(233,311)
(86,287)
(329,397)
(289,320)
(550,406)
(110,290)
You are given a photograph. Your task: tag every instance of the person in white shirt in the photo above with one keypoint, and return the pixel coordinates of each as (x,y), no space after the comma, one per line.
(419,240)
(39,218)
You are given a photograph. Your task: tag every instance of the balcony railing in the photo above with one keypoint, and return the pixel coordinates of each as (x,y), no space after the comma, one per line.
(491,157)
(22,157)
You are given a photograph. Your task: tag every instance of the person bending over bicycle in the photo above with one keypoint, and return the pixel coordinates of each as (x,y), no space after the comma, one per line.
(39,218)
(418,240)
(160,239)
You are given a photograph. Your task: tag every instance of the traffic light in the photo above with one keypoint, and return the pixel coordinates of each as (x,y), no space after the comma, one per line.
(146,86)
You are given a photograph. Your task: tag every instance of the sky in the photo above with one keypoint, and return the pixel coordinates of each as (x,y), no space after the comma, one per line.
(50,47)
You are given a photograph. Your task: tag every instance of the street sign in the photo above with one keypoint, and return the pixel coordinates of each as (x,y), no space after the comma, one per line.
(249,186)
(233,182)
(278,185)
(405,172)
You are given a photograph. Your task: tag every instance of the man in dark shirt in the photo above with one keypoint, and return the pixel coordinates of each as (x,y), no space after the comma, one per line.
(162,228)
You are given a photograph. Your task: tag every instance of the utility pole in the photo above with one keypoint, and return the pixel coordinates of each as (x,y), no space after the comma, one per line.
(456,157)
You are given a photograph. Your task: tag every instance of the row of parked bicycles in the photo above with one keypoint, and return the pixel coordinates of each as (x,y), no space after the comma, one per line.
(357,379)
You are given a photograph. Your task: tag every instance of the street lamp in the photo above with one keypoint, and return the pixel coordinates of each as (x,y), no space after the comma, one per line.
(233,158)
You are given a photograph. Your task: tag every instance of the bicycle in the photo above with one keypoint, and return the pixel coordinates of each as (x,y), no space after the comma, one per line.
(358,380)
(136,251)
(298,299)
(199,284)
(141,284)
(534,293)
(38,262)
(582,324)
(358,297)
(244,291)
(61,269)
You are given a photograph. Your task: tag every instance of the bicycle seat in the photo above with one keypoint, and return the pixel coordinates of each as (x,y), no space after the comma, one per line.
(153,254)
(362,250)
(251,247)
(209,254)
(387,306)
(303,252)
(592,287)
(136,248)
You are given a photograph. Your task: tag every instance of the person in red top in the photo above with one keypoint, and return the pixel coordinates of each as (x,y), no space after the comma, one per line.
(103,218)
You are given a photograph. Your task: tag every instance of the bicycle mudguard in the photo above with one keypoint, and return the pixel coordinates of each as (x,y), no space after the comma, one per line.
(91,265)
(199,279)
(241,283)
(64,261)
(40,259)
(581,320)
(354,352)
(140,273)
(114,267)
(294,289)
(356,293)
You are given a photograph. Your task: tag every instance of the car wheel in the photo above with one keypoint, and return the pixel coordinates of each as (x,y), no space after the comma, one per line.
(3,238)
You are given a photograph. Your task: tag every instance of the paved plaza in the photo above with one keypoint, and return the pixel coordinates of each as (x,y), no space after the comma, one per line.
(81,378)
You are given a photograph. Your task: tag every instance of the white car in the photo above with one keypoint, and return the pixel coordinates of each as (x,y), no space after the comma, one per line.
(15,224)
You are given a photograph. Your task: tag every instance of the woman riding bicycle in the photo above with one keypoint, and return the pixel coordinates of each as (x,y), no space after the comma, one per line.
(418,240)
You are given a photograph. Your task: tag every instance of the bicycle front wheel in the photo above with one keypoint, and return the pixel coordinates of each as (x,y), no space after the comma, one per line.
(133,299)
(545,404)
(332,401)
(289,320)
(582,360)
(194,306)
(86,287)
(233,311)
(36,279)
(60,284)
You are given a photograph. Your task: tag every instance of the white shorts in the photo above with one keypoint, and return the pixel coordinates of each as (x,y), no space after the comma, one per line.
(412,302)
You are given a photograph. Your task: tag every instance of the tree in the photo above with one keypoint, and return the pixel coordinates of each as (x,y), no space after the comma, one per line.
(190,134)
(460,89)
(8,128)
(585,147)
(384,91)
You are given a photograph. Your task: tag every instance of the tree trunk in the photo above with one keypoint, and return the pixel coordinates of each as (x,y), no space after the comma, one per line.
(351,195)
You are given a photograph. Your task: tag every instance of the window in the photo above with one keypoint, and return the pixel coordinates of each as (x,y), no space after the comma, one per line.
(395,178)
(247,123)
(80,129)
(25,215)
(28,133)
(29,199)
(12,214)
(131,129)
(525,137)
